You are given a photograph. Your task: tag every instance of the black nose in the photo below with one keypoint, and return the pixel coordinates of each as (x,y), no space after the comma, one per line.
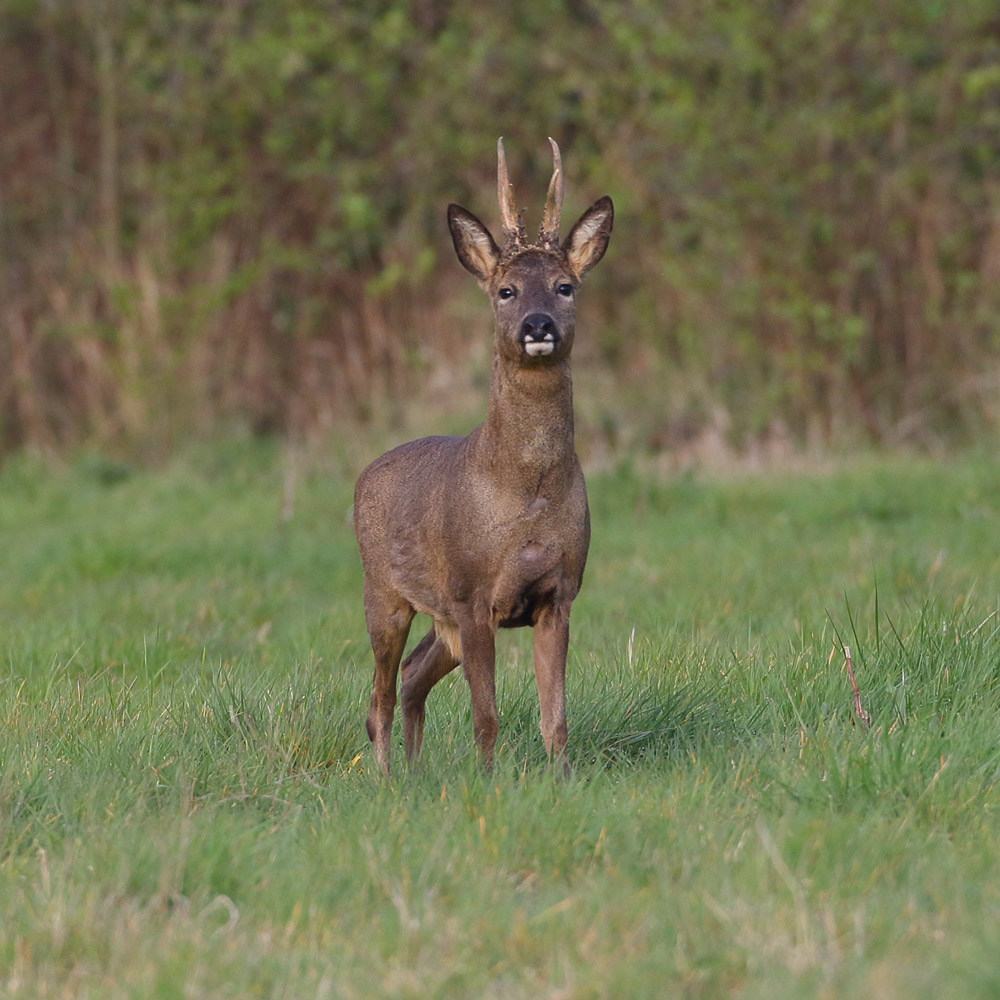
(538,326)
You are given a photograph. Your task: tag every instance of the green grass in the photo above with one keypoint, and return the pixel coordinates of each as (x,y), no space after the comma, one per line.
(188,804)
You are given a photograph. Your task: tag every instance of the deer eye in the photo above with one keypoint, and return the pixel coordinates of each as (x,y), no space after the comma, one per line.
(564,288)
(506,292)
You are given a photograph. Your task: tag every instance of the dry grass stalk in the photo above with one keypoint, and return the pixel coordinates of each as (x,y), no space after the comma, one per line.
(862,715)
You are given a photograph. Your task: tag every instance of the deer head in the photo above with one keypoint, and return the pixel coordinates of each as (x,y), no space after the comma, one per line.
(532,286)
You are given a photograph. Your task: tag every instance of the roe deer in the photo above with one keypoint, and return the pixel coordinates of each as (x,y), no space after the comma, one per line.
(490,530)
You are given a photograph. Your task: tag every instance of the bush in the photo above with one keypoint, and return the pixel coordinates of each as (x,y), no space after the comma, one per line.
(218,213)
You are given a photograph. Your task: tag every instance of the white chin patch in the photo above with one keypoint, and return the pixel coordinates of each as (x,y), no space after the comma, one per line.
(536,348)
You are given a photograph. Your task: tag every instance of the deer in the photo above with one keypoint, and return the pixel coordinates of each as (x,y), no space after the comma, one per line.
(490,530)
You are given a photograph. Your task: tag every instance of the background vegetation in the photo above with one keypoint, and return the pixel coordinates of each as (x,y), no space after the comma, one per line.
(232,213)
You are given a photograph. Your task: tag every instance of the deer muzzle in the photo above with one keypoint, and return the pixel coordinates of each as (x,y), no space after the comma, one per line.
(539,334)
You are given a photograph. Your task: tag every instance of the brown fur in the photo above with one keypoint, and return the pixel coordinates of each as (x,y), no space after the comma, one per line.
(490,530)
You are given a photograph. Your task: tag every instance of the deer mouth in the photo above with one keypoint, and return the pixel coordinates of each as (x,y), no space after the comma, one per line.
(539,348)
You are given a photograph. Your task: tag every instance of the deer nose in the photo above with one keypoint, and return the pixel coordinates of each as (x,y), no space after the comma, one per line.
(539,334)
(538,326)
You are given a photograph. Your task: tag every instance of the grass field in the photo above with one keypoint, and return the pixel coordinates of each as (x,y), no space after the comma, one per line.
(188,803)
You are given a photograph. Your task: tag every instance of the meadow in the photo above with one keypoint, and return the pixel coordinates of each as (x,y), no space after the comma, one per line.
(189,805)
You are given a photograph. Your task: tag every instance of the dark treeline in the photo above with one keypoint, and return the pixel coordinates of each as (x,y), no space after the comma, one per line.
(232,212)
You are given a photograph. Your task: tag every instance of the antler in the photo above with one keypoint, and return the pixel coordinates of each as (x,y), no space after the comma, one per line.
(548,233)
(513,227)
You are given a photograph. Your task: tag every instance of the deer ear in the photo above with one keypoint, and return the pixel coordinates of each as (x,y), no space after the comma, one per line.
(588,239)
(476,249)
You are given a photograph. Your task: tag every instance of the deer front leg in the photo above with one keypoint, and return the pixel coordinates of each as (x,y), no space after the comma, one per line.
(551,642)
(479,664)
(388,621)
(430,660)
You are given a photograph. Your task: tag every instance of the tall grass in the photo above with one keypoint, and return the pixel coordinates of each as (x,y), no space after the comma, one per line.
(189,807)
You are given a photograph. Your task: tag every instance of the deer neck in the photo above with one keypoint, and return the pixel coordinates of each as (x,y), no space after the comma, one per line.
(528,432)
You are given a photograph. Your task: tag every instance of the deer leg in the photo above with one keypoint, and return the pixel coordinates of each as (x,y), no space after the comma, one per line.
(388,620)
(551,641)
(430,660)
(479,665)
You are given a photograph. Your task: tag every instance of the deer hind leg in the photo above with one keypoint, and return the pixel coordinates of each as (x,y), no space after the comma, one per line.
(431,659)
(551,642)
(388,618)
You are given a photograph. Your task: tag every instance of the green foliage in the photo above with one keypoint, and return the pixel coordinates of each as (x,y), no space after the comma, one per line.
(219,212)
(189,806)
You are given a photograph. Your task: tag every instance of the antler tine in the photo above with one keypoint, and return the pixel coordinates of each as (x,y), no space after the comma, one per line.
(549,232)
(505,195)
